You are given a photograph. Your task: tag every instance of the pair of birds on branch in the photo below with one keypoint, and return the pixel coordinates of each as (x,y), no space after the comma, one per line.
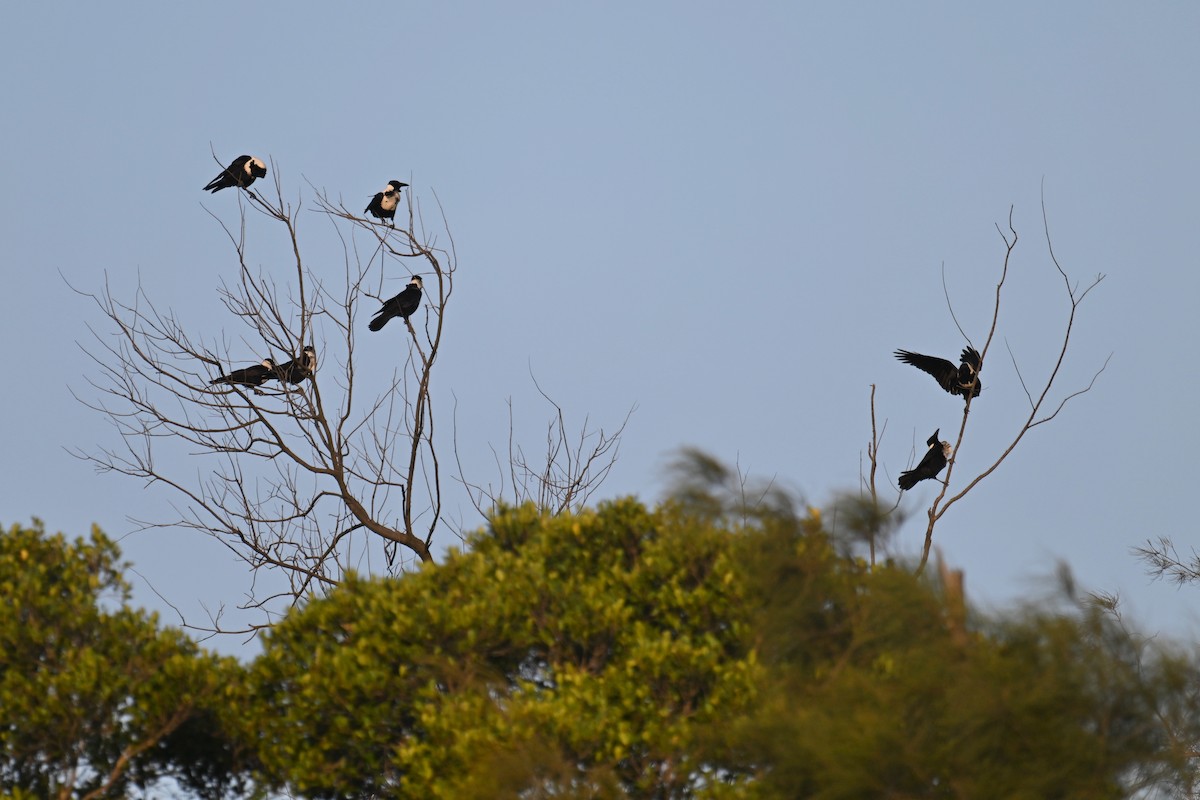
(962,380)
(244,170)
(293,372)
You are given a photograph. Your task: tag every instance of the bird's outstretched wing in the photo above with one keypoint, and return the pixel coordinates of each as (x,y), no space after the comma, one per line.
(942,370)
(971,356)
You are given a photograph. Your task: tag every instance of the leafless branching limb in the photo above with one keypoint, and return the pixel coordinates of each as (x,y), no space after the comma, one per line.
(867,484)
(1164,561)
(573,466)
(701,484)
(177,718)
(298,478)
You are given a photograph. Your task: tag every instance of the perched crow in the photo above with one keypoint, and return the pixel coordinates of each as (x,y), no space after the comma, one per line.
(402,305)
(296,370)
(383,204)
(933,462)
(955,380)
(241,172)
(250,376)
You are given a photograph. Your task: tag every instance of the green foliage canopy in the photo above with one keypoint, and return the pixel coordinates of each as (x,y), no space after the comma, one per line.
(702,651)
(709,648)
(577,652)
(96,696)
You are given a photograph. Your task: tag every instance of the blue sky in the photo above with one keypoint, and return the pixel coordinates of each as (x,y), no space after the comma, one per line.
(728,215)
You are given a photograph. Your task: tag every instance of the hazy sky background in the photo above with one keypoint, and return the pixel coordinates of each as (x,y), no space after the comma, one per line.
(727,214)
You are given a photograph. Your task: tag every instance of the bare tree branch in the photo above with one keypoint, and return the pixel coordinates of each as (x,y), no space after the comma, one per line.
(950,305)
(1164,561)
(879,513)
(131,752)
(292,476)
(563,479)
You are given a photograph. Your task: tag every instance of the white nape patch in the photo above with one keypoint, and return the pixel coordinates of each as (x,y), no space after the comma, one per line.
(268,363)
(258,162)
(946,449)
(417,280)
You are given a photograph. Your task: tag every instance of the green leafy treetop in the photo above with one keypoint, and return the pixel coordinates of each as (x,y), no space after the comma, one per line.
(723,645)
(578,653)
(705,650)
(95,697)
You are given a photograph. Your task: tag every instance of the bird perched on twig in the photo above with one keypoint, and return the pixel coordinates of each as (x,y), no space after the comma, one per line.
(955,380)
(240,173)
(252,377)
(383,204)
(402,305)
(296,370)
(934,462)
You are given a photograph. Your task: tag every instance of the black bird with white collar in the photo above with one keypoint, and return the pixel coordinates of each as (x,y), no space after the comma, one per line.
(241,173)
(403,305)
(383,204)
(934,462)
(296,370)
